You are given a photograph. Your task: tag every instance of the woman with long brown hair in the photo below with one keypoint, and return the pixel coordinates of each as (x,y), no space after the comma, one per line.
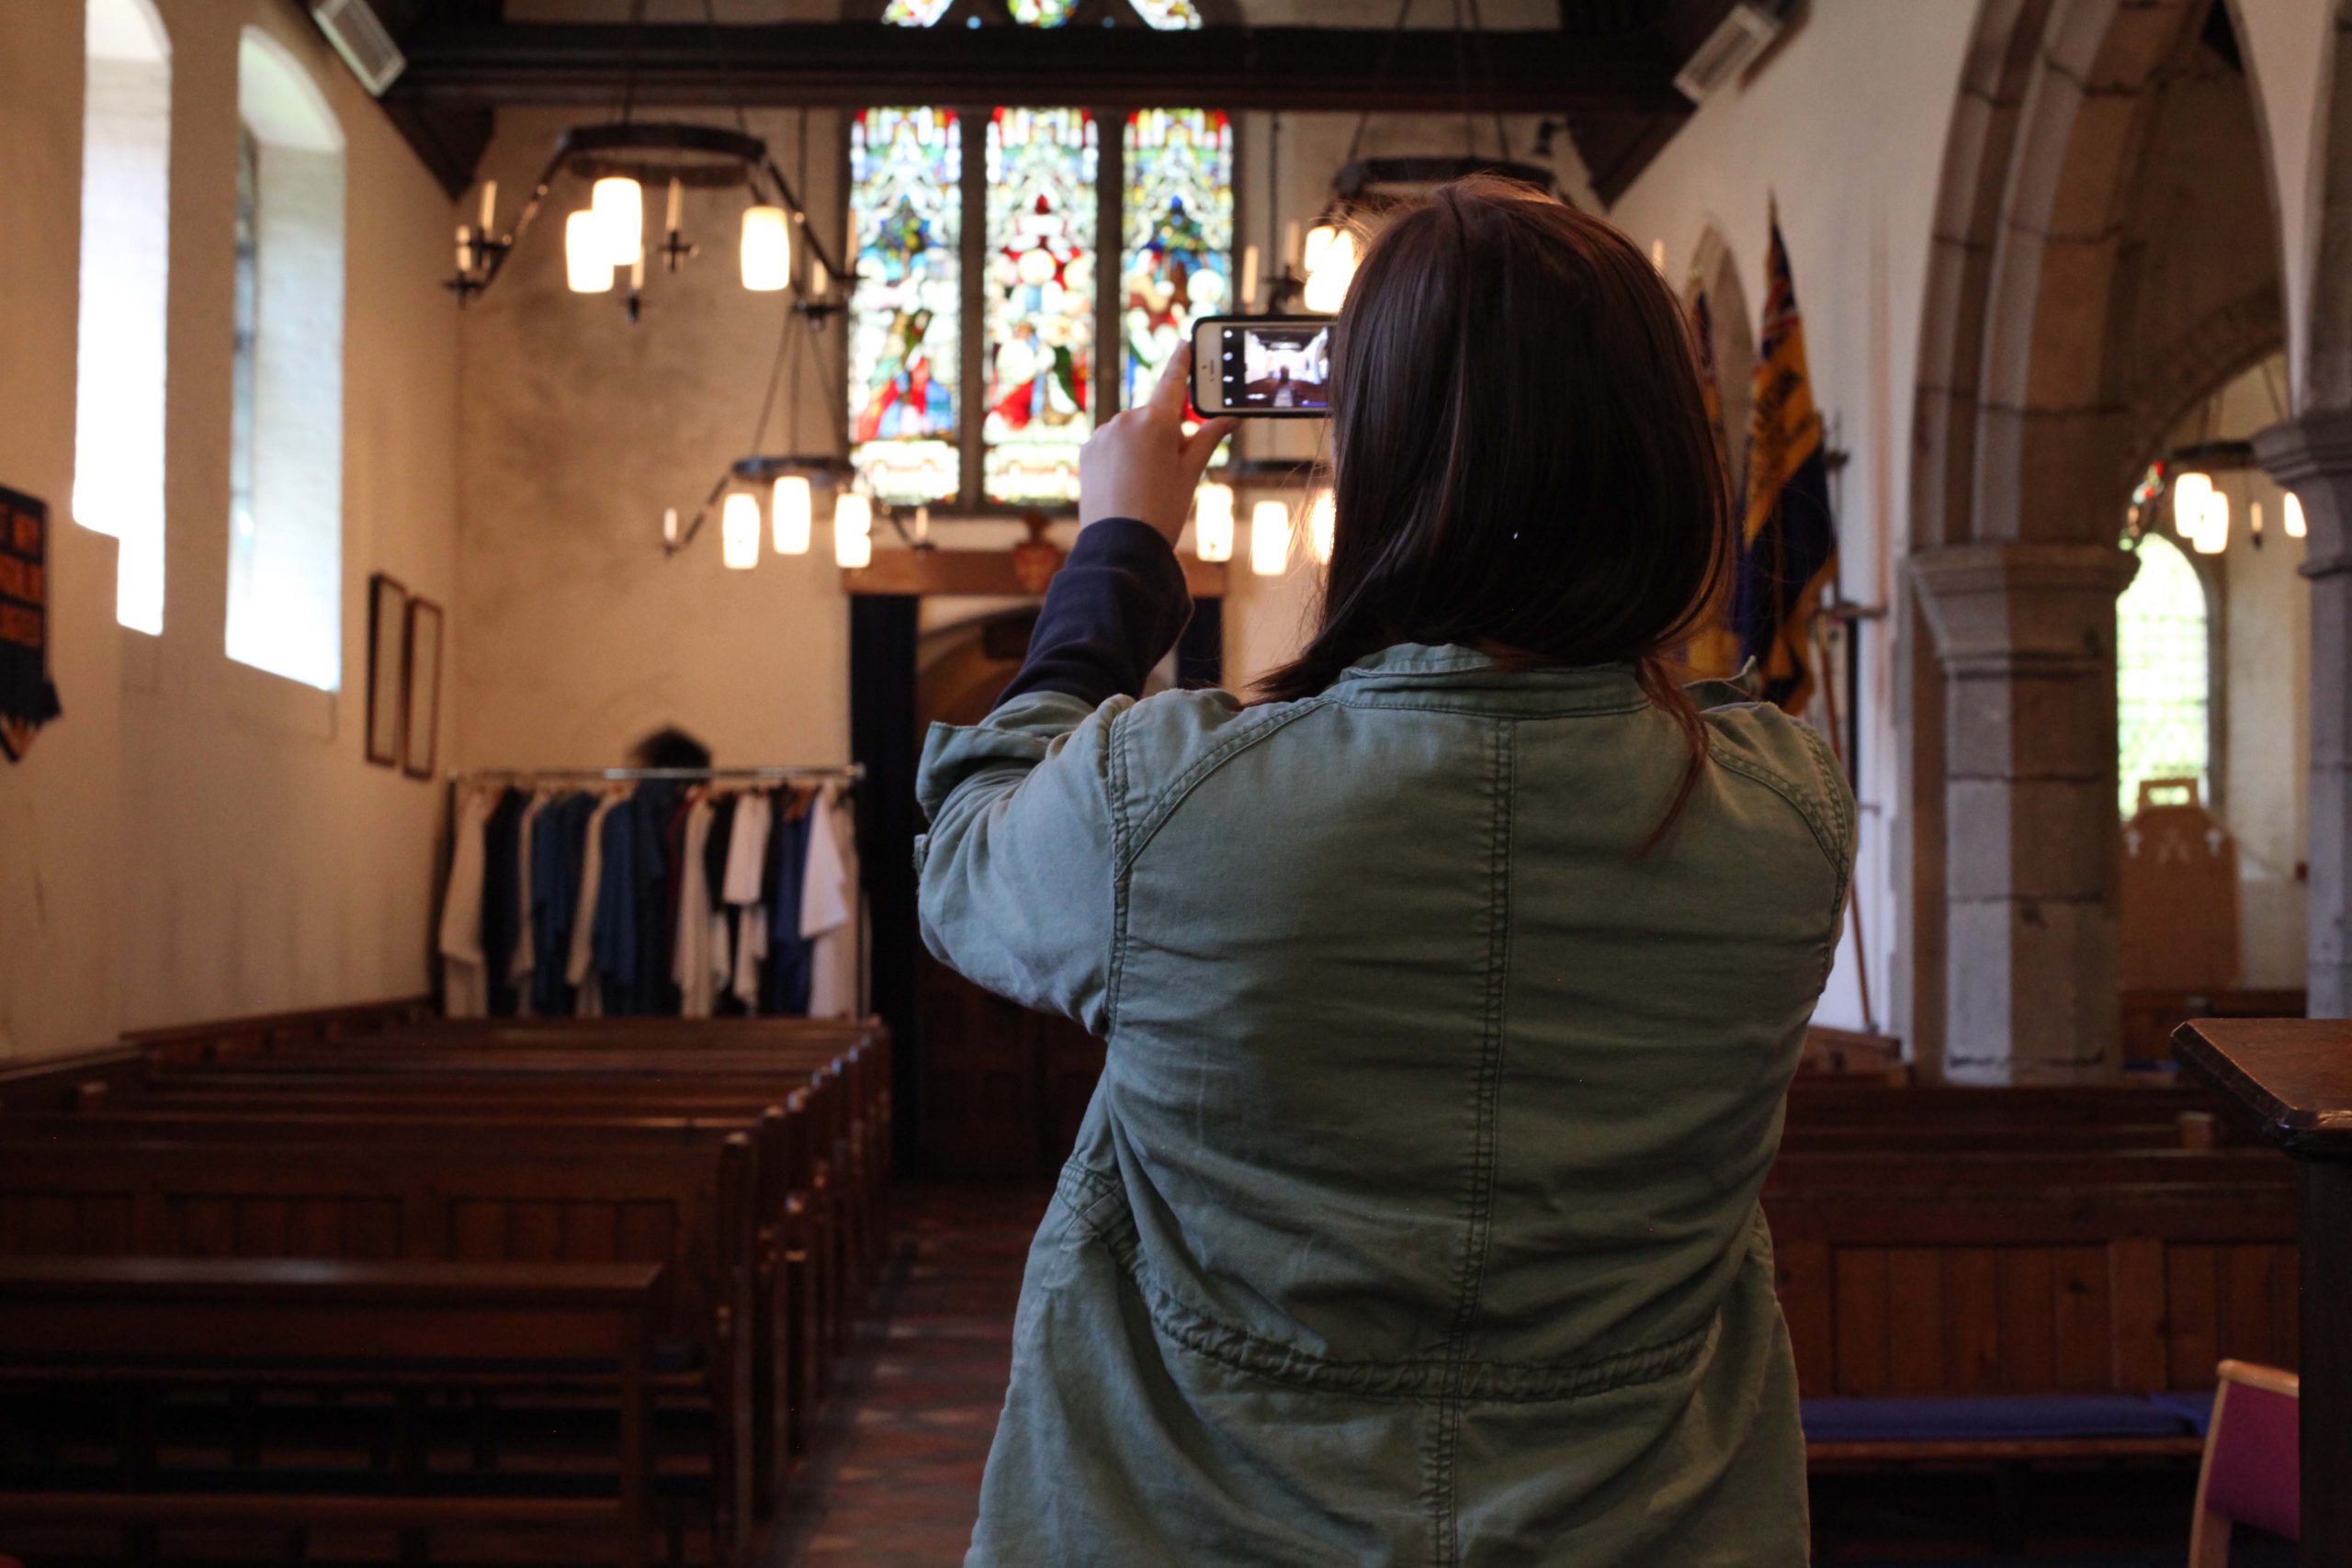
(1452,985)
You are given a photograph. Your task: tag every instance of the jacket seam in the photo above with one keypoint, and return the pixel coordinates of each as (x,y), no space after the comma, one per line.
(1120,881)
(1164,806)
(1489,710)
(1825,834)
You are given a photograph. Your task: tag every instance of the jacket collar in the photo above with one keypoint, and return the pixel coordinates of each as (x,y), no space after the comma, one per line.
(1420,675)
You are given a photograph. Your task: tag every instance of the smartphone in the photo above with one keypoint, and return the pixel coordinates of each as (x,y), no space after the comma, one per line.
(1269,367)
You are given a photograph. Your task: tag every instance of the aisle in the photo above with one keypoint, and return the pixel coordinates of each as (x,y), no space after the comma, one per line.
(896,1476)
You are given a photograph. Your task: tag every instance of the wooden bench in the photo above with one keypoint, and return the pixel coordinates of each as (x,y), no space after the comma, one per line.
(686,1205)
(137,1324)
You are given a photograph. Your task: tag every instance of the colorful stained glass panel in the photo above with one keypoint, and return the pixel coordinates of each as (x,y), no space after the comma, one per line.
(905,342)
(914,13)
(1041,13)
(1168,16)
(1040,290)
(1179,257)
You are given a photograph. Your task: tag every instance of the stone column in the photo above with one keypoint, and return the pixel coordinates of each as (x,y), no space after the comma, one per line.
(2312,455)
(2026,637)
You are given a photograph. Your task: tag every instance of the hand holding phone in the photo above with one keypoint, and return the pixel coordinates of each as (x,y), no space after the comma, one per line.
(1140,464)
(1263,367)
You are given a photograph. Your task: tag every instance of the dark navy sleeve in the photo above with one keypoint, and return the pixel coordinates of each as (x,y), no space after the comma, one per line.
(1115,608)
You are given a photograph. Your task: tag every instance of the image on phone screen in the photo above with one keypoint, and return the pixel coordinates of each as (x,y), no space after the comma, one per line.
(1267,366)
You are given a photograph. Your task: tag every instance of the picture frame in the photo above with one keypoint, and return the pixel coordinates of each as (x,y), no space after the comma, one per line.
(421,682)
(387,668)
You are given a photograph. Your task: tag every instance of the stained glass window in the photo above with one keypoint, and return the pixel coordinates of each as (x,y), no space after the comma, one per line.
(1179,236)
(1040,290)
(1169,16)
(2163,685)
(905,353)
(1041,13)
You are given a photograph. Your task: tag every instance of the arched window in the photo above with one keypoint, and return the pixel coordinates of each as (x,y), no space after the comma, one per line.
(285,414)
(2163,684)
(125,250)
(1032,201)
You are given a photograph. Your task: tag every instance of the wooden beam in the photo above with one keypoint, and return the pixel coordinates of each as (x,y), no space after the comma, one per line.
(853,64)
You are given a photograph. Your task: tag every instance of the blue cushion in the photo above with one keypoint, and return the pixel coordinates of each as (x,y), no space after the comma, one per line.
(1989,1417)
(2194,1405)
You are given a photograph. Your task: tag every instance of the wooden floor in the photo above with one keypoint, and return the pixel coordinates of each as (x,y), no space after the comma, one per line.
(895,1479)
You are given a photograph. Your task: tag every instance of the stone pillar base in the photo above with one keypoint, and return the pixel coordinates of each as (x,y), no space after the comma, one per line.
(2026,637)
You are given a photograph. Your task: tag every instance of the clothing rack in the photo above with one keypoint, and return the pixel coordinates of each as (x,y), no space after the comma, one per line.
(851,772)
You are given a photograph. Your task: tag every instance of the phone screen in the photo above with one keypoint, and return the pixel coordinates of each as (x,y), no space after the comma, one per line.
(1277,364)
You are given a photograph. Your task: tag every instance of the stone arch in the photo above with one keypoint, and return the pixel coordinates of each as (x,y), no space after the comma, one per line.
(2327,367)
(2050,251)
(1731,342)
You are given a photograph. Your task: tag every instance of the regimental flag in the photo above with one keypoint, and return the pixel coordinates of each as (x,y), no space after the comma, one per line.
(1713,649)
(1789,542)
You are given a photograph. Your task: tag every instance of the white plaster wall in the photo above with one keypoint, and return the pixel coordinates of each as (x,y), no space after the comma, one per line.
(1846,122)
(195,838)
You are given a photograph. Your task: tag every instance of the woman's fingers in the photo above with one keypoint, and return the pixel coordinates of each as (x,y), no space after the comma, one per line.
(1201,445)
(1175,385)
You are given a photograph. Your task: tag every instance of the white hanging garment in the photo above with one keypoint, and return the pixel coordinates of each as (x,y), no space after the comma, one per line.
(465,988)
(830,909)
(588,989)
(747,860)
(690,958)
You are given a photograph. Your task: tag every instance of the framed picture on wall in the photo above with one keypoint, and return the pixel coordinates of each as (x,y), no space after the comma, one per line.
(421,728)
(386,651)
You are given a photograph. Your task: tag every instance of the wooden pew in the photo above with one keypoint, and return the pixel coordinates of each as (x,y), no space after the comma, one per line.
(683,1205)
(133,1322)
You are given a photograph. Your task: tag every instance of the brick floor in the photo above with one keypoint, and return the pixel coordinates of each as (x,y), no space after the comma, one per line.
(894,1478)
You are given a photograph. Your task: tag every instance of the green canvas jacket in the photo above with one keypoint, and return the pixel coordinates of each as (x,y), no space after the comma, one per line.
(1415,1219)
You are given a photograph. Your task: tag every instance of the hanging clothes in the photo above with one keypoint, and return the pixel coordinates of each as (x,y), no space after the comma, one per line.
(690,952)
(525,963)
(464,990)
(830,910)
(558,850)
(502,898)
(785,992)
(587,984)
(747,854)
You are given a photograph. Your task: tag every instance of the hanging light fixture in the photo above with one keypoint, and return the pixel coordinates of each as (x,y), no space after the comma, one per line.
(853,531)
(2213,533)
(1327,283)
(1213,522)
(2191,495)
(1270,538)
(618,203)
(766,256)
(1322,525)
(2291,516)
(739,531)
(791,513)
(587,267)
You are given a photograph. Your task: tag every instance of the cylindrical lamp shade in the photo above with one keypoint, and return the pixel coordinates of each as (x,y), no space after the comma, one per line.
(587,267)
(853,531)
(767,249)
(2213,537)
(790,512)
(1322,525)
(1326,285)
(619,205)
(739,531)
(1270,538)
(2190,494)
(2295,524)
(1213,523)
(1318,245)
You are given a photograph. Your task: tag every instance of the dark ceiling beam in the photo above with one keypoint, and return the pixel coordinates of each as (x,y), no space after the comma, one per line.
(850,63)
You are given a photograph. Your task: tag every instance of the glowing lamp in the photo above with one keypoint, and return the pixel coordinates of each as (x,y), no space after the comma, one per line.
(767,249)
(1322,525)
(791,512)
(2191,493)
(586,266)
(1326,285)
(1318,245)
(739,531)
(618,203)
(1270,538)
(2213,535)
(2293,515)
(1213,523)
(853,531)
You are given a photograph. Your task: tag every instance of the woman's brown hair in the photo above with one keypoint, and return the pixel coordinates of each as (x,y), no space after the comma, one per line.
(1521,459)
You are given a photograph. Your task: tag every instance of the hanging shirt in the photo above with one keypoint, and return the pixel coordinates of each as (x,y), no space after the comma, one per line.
(690,955)
(746,873)
(557,849)
(464,993)
(519,969)
(786,993)
(830,911)
(588,990)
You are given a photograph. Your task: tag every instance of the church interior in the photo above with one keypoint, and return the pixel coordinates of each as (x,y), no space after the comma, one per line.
(496,491)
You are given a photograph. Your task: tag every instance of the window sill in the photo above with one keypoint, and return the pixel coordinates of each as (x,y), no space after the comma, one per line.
(278,701)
